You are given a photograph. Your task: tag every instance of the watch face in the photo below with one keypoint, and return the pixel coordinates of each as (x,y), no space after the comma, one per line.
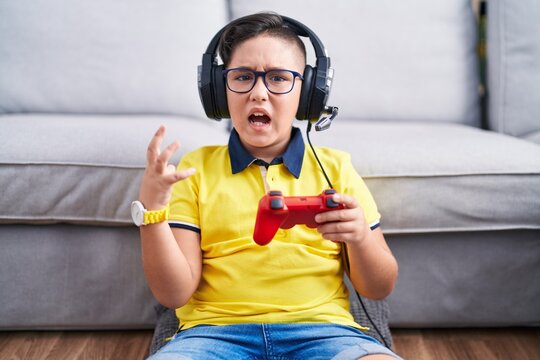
(137,213)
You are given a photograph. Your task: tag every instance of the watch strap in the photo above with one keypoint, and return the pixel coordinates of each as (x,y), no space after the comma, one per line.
(156,216)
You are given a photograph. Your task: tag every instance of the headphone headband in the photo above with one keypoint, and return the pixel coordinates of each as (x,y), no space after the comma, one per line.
(315,87)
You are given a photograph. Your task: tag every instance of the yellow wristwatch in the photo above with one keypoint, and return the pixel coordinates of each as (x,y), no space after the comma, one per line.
(141,216)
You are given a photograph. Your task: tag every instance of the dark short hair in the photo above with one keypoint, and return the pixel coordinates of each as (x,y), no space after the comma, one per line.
(250,26)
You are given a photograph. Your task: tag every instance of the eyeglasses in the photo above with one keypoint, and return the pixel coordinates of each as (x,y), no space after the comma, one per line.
(241,80)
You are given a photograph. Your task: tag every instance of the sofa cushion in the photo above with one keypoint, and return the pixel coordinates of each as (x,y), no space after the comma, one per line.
(84,169)
(443,177)
(104,57)
(393,60)
(514,67)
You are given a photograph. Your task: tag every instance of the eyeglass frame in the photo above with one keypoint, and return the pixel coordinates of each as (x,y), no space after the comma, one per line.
(263,75)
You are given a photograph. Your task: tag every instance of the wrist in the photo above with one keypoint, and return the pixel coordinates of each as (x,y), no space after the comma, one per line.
(361,242)
(153,205)
(152,202)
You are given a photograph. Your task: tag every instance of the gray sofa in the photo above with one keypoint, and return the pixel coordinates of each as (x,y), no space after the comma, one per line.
(83,86)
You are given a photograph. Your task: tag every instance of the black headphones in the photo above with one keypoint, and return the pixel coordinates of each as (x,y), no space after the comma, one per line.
(315,87)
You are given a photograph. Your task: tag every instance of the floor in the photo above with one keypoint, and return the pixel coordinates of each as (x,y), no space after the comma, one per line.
(427,344)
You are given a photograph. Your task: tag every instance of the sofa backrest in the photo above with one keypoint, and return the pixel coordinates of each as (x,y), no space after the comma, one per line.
(394,60)
(513,63)
(100,56)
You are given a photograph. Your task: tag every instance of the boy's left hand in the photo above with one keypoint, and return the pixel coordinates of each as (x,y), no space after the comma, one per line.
(347,225)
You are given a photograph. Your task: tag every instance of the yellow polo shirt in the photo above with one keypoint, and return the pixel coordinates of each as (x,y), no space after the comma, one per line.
(298,276)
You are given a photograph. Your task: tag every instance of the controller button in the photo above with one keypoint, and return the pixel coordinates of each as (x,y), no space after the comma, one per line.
(276,204)
(331,203)
(275,193)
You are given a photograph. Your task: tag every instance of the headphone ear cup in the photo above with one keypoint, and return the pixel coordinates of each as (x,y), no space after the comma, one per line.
(305,94)
(212,90)
(219,92)
(205,86)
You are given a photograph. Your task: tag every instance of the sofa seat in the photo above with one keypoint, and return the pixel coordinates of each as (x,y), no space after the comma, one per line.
(75,155)
(443,177)
(439,193)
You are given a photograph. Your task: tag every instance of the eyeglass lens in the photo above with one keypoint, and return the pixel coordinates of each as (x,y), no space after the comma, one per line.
(276,81)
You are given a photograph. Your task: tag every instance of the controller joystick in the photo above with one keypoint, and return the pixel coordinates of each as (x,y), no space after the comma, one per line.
(278,211)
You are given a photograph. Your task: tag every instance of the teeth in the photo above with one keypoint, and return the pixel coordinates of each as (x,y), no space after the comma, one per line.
(259,118)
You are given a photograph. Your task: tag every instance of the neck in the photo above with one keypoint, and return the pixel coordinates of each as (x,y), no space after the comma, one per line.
(267,156)
(266,153)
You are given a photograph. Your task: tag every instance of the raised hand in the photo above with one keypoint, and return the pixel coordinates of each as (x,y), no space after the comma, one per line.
(159,175)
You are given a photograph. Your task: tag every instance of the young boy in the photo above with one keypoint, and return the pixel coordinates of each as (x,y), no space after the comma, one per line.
(236,299)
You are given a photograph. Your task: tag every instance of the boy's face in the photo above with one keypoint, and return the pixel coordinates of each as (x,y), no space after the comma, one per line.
(267,136)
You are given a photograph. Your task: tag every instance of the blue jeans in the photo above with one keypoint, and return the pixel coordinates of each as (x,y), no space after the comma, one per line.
(271,342)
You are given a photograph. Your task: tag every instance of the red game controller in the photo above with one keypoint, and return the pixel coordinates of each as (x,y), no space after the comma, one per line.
(278,211)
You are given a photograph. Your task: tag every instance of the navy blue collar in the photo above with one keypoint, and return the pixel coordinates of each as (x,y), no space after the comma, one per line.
(292,158)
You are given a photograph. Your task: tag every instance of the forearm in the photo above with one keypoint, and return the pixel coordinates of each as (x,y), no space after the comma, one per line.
(168,271)
(373,268)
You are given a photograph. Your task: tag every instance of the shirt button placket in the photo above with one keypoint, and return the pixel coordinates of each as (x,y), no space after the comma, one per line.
(271,178)
(274,183)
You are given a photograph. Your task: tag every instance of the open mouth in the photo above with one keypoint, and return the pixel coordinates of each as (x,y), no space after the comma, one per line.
(259,119)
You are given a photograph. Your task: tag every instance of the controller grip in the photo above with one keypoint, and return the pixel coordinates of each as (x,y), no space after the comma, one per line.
(270,215)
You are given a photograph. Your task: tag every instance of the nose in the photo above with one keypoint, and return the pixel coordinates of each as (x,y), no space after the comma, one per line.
(259,91)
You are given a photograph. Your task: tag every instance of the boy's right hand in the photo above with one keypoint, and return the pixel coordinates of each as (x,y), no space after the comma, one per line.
(160,176)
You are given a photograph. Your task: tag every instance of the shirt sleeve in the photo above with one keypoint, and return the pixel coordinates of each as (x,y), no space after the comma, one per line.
(353,184)
(184,208)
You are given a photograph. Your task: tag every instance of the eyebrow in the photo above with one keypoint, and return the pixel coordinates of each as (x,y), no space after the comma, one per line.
(265,69)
